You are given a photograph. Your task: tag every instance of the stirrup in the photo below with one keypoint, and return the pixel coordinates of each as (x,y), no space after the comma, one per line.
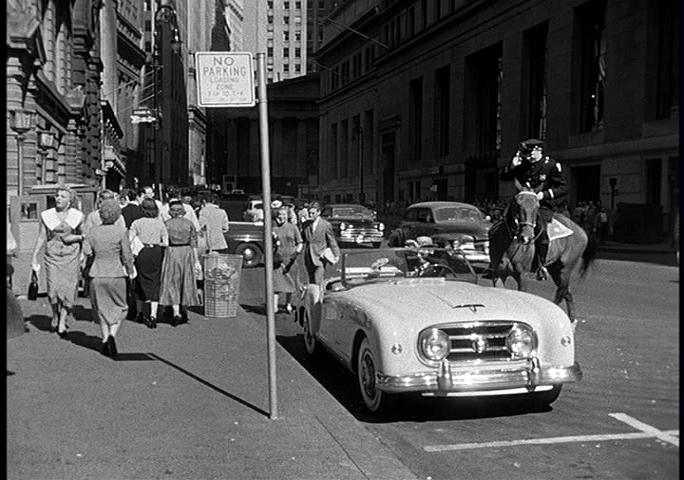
(542,273)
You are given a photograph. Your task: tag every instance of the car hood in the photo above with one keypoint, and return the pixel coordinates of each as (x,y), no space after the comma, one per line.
(352,220)
(421,303)
(478,230)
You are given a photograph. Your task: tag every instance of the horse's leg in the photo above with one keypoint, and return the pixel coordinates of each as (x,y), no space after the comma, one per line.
(555,272)
(563,291)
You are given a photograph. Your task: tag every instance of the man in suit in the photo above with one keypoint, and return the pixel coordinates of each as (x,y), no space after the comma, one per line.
(213,222)
(318,237)
(130,210)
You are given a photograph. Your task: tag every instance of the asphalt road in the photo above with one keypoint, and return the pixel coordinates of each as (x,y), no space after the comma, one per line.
(620,422)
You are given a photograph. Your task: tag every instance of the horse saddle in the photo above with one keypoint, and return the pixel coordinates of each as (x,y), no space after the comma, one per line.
(556,230)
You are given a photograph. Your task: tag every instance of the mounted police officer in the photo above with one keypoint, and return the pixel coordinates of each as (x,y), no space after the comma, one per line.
(530,168)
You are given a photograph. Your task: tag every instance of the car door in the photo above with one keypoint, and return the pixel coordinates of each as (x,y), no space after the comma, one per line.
(425,222)
(409,223)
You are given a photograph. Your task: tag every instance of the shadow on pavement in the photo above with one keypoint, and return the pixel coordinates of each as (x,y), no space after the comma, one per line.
(342,385)
(84,340)
(41,322)
(210,385)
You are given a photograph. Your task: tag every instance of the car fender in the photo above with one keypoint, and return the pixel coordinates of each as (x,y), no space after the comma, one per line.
(312,299)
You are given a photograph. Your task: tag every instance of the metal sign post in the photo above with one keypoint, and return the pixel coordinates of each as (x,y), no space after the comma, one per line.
(268,232)
(226,79)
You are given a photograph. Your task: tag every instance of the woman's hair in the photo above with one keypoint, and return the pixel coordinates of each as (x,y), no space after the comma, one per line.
(72,194)
(149,208)
(110,210)
(106,195)
(174,203)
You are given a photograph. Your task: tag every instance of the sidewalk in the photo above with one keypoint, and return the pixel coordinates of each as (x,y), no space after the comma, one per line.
(179,403)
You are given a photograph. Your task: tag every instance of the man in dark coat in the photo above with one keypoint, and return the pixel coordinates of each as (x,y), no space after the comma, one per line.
(530,168)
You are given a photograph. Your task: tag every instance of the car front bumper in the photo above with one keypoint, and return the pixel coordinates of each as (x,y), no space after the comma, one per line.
(500,378)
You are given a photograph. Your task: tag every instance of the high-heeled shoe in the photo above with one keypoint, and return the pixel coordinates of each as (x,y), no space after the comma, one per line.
(152,322)
(176,320)
(105,349)
(64,334)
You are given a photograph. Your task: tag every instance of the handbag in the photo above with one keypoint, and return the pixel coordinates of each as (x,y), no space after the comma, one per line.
(33,286)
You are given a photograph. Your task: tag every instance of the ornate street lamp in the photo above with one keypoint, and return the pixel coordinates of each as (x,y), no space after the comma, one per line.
(165,15)
(21,121)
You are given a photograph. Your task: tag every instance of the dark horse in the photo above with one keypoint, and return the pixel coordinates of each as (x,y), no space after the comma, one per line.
(512,248)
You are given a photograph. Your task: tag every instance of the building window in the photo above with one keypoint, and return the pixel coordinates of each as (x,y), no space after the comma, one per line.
(483,90)
(344,147)
(286,52)
(148,25)
(663,60)
(286,67)
(442,104)
(368,137)
(286,35)
(298,19)
(534,74)
(592,64)
(333,150)
(269,52)
(269,19)
(298,5)
(286,20)
(270,4)
(286,5)
(415,119)
(411,21)
(298,52)
(298,36)
(148,46)
(298,68)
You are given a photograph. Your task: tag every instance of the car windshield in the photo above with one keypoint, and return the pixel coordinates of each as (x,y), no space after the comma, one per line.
(457,214)
(392,264)
(350,211)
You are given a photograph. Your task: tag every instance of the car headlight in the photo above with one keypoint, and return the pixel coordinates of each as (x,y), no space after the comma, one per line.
(381,226)
(343,226)
(434,344)
(521,341)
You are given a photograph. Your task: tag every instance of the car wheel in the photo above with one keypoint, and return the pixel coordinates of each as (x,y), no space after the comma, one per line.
(375,399)
(310,344)
(251,254)
(548,397)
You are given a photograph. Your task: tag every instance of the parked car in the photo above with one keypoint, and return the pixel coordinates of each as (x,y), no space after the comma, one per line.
(354,224)
(436,332)
(449,224)
(254,210)
(246,239)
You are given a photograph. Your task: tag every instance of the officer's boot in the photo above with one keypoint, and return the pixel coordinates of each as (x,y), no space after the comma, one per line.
(542,247)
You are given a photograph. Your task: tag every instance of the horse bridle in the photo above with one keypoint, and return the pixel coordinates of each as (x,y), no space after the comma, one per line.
(533,225)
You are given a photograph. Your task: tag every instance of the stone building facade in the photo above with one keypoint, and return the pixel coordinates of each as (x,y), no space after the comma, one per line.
(53,71)
(429,99)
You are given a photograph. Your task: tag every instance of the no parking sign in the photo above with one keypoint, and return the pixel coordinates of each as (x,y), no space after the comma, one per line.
(225,79)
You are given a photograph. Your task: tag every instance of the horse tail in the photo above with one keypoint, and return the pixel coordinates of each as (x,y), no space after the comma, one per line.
(589,254)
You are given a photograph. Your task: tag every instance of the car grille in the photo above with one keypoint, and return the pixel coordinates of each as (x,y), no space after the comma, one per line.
(368,232)
(465,338)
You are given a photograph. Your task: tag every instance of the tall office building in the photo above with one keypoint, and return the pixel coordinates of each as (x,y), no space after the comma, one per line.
(316,12)
(278,29)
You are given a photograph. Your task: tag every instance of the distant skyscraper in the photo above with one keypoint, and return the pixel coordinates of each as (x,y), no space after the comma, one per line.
(278,29)
(316,11)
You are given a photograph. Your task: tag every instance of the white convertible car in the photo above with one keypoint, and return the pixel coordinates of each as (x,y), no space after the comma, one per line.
(415,320)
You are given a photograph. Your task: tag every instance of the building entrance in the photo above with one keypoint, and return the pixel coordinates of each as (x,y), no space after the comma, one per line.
(586,183)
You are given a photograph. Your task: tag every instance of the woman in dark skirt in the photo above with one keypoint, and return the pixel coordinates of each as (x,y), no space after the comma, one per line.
(178,284)
(110,248)
(289,246)
(150,235)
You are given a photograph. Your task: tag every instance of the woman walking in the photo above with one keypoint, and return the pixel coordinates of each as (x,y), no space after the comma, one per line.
(151,233)
(60,233)
(112,261)
(289,246)
(178,285)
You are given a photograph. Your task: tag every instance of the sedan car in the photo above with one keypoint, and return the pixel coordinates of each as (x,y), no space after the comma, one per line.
(449,224)
(417,321)
(354,225)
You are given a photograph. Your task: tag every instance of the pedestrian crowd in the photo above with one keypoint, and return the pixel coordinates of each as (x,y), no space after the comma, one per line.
(138,258)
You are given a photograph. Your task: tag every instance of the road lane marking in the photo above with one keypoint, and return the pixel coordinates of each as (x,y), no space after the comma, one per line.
(646,431)
(652,431)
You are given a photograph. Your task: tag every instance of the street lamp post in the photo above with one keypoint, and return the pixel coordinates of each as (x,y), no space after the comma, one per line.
(21,121)
(165,14)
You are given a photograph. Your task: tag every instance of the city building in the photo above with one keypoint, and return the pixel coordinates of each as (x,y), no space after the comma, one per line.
(278,29)
(123,59)
(316,12)
(52,94)
(429,99)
